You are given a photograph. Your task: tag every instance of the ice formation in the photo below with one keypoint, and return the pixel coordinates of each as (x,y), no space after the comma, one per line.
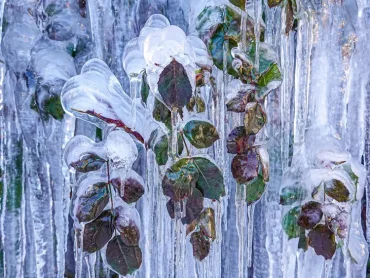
(208,138)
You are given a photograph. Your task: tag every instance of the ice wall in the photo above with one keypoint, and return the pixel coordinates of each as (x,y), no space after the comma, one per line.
(324,64)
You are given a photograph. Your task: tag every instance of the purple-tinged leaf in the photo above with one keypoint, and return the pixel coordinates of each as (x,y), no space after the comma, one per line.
(179,180)
(133,189)
(174,85)
(244,167)
(194,206)
(98,232)
(92,203)
(310,215)
(88,162)
(322,240)
(122,258)
(201,245)
(238,142)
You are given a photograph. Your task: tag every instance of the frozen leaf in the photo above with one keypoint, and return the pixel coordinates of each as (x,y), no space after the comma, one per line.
(194,206)
(239,102)
(292,194)
(201,245)
(339,224)
(191,104)
(289,16)
(134,188)
(210,182)
(201,106)
(200,134)
(174,85)
(179,180)
(145,89)
(255,118)
(322,240)
(98,232)
(122,258)
(91,204)
(238,142)
(125,222)
(88,162)
(53,106)
(207,223)
(303,240)
(224,27)
(273,3)
(239,3)
(337,190)
(162,114)
(289,223)
(244,167)
(161,150)
(273,73)
(263,157)
(310,215)
(255,189)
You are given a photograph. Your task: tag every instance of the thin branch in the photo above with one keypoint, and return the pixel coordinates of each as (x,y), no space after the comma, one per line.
(186,145)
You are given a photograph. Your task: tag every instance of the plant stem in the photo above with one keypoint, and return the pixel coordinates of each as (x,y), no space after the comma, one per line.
(186,145)
(110,189)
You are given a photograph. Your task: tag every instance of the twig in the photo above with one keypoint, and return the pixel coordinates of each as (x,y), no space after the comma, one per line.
(186,145)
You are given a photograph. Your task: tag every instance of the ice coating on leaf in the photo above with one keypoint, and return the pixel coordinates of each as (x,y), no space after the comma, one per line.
(202,58)
(18,41)
(91,196)
(154,22)
(133,185)
(330,157)
(64,25)
(97,97)
(80,145)
(52,63)
(133,59)
(264,160)
(121,149)
(127,221)
(316,176)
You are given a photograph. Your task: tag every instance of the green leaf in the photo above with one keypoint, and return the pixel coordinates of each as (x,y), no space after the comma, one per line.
(238,142)
(273,3)
(217,24)
(53,106)
(92,203)
(201,245)
(255,118)
(337,190)
(179,180)
(133,189)
(303,240)
(174,85)
(210,181)
(310,215)
(194,207)
(201,106)
(289,223)
(273,73)
(122,258)
(216,46)
(145,89)
(88,162)
(244,167)
(239,3)
(292,194)
(162,114)
(98,232)
(161,150)
(255,189)
(322,240)
(200,134)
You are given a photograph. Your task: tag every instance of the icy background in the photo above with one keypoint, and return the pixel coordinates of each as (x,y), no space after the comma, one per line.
(323,94)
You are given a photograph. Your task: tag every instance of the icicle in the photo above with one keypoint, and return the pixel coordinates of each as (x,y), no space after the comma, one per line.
(250,233)
(240,204)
